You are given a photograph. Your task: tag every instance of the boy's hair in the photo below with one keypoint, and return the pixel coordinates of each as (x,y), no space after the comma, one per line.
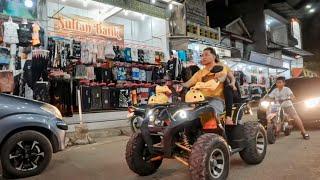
(281,78)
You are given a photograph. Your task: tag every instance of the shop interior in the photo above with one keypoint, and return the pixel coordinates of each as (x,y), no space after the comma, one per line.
(114,56)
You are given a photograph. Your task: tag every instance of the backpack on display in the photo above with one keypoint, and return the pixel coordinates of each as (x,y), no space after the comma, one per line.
(105,98)
(96,98)
(86,98)
(134,54)
(124,98)
(140,55)
(127,54)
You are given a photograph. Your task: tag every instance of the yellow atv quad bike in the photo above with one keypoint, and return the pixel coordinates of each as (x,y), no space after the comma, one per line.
(195,135)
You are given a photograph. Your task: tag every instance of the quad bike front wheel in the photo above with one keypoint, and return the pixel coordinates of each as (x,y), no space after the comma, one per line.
(256,148)
(135,123)
(271,134)
(138,156)
(209,158)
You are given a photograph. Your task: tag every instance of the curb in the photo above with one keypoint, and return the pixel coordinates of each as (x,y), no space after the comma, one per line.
(108,132)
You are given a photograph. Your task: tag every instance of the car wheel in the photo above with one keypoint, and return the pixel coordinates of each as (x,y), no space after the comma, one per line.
(209,158)
(25,154)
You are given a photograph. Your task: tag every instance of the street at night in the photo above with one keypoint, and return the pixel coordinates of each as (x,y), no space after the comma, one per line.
(290,158)
(160,89)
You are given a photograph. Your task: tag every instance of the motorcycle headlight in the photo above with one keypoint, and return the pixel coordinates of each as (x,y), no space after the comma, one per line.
(52,110)
(265,104)
(311,103)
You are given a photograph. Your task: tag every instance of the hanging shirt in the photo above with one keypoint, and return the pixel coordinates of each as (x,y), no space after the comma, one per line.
(10,34)
(35,34)
(25,35)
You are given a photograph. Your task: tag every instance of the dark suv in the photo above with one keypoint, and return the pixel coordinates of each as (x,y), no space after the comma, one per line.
(304,89)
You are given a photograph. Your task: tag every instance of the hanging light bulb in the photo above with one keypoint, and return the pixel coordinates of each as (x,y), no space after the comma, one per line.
(153,1)
(85,3)
(126,12)
(143,16)
(170,6)
(28,3)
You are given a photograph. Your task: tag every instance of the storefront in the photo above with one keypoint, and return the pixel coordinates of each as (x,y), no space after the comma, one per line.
(112,54)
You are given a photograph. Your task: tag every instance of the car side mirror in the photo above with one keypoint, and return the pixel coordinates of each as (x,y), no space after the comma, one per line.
(217,69)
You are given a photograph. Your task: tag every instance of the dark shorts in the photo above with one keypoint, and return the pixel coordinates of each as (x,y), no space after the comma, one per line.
(291,112)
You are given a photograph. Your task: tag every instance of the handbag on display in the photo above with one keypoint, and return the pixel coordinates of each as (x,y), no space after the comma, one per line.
(134,54)
(109,52)
(6,81)
(81,72)
(135,74)
(140,56)
(124,98)
(41,91)
(4,56)
(143,76)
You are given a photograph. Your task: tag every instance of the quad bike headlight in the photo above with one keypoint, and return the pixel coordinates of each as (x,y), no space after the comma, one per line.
(183,114)
(265,104)
(311,103)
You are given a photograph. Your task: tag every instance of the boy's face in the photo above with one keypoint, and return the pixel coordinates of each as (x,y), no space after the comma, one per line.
(280,83)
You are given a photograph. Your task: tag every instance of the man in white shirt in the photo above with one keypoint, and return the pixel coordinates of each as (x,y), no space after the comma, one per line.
(284,95)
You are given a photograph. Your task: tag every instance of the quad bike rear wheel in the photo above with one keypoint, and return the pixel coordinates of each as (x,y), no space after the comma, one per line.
(256,148)
(209,158)
(271,134)
(138,156)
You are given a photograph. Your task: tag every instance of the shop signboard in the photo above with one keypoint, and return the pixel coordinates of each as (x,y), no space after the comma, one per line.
(196,11)
(265,60)
(17,8)
(76,26)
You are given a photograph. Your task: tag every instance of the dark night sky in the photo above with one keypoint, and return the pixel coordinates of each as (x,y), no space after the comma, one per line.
(311,39)
(310,24)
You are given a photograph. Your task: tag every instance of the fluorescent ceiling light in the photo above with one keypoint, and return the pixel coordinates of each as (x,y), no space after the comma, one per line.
(308,6)
(153,1)
(312,10)
(170,6)
(143,16)
(28,3)
(126,12)
(110,13)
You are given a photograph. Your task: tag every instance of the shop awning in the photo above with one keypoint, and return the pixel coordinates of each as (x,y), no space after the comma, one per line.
(302,72)
(237,60)
(266,60)
(298,51)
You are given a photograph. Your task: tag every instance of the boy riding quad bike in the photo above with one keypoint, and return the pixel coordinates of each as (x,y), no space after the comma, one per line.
(193,133)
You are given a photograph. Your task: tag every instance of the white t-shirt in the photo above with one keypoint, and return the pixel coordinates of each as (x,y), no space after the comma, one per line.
(10,34)
(284,94)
